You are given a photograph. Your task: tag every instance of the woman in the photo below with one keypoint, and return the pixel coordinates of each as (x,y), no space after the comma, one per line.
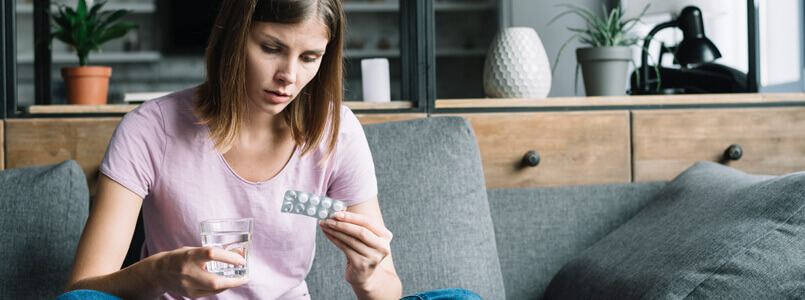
(267,119)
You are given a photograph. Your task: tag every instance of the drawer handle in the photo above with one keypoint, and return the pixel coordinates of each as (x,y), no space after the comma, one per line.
(734,152)
(531,159)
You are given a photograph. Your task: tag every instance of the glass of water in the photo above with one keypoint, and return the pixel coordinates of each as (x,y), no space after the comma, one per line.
(231,235)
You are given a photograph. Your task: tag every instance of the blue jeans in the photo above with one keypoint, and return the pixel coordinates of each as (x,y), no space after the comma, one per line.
(444,294)
(87,294)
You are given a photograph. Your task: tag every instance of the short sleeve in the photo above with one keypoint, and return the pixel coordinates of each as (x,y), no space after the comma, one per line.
(353,180)
(136,149)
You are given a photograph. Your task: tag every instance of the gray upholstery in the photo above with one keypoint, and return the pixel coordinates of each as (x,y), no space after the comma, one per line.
(432,195)
(42,213)
(538,230)
(712,233)
(431,192)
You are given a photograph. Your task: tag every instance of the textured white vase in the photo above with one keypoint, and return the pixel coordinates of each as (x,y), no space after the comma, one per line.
(517,66)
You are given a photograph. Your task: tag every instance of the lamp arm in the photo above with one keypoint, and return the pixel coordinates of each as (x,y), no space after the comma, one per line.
(644,51)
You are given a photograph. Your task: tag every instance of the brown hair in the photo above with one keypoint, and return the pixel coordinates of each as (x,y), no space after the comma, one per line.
(221,98)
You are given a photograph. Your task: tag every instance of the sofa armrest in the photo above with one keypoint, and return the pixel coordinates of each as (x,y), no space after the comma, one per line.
(42,214)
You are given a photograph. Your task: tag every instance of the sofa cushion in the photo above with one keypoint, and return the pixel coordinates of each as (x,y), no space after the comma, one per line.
(433,198)
(538,230)
(42,214)
(713,232)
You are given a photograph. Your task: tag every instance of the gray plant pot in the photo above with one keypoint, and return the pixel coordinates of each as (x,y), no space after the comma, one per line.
(604,69)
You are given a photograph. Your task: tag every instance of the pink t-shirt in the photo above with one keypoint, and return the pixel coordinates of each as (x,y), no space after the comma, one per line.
(159,152)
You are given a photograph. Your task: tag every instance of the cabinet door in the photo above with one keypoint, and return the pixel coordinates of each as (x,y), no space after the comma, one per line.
(666,142)
(575,148)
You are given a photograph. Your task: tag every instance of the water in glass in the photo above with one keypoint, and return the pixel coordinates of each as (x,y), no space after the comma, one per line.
(235,241)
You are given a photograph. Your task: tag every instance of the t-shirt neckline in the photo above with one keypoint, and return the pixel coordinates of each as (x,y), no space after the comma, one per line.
(291,161)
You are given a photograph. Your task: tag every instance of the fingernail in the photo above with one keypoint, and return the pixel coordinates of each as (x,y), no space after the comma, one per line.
(242,262)
(321,222)
(331,222)
(338,215)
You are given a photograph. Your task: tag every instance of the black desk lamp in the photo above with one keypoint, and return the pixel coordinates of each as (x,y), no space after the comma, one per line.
(694,54)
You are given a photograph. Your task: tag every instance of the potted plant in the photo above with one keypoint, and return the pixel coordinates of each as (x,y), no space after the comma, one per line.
(605,62)
(86,29)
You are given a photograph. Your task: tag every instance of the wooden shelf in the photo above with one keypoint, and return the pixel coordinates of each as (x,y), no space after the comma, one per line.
(658,100)
(142,8)
(124,108)
(369,7)
(371,53)
(95,58)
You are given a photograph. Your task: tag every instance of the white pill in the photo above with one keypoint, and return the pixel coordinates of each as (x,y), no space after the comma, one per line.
(338,206)
(323,214)
(311,211)
(326,202)
(303,198)
(314,200)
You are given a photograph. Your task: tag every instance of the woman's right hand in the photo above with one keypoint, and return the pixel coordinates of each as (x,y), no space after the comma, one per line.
(181,271)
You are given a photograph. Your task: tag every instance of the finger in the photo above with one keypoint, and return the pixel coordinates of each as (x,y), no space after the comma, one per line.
(207,281)
(348,251)
(354,244)
(359,234)
(363,221)
(206,254)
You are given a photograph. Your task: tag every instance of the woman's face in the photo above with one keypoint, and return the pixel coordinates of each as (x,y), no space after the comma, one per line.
(281,59)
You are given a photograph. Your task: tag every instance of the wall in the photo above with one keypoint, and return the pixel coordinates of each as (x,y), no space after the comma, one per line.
(537,14)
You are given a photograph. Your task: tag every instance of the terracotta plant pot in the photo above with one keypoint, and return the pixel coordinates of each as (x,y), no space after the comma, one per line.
(87,85)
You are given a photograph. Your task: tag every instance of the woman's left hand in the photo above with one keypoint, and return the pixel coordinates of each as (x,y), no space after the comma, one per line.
(364,241)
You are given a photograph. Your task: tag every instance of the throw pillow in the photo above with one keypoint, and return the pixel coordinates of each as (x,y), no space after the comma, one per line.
(712,232)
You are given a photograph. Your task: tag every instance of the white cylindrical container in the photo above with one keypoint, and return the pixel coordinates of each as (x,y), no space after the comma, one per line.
(375,80)
(517,66)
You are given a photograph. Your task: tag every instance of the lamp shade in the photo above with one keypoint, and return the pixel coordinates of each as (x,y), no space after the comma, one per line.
(695,48)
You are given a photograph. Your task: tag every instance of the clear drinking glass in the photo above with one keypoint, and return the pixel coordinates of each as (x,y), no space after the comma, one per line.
(229,234)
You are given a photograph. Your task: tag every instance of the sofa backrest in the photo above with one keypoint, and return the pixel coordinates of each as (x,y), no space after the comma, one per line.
(433,198)
(42,213)
(539,230)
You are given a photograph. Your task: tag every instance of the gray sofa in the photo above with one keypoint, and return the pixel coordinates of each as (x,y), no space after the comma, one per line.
(449,231)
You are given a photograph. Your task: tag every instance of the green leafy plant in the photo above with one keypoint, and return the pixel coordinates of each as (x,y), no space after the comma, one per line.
(87,29)
(610,31)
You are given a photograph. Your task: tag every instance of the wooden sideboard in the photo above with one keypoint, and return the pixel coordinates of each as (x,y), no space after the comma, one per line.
(580,141)
(41,141)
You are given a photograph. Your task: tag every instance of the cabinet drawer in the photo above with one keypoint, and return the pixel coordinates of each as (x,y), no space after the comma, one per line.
(574,147)
(666,142)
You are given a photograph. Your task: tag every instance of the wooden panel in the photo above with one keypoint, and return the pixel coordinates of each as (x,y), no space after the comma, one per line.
(575,147)
(33,142)
(2,146)
(380,118)
(666,142)
(81,109)
(653,100)
(124,108)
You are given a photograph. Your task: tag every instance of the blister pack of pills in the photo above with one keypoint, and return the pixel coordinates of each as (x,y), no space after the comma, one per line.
(311,205)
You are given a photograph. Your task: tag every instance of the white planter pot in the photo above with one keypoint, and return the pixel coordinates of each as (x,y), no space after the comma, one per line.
(517,66)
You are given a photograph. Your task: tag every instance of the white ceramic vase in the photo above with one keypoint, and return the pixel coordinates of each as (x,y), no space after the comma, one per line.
(517,66)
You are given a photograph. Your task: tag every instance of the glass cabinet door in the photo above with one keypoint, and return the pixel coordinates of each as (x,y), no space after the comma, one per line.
(373,31)
(463,33)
